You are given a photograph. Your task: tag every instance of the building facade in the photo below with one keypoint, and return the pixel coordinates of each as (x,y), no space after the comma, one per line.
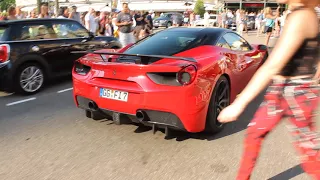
(250,5)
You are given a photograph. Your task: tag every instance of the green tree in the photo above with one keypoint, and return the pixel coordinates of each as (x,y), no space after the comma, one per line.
(199,8)
(5,4)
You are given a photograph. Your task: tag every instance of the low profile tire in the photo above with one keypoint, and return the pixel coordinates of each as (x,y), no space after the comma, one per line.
(29,78)
(220,99)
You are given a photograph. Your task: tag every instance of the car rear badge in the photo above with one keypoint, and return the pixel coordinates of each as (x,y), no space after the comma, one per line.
(35,48)
(114,72)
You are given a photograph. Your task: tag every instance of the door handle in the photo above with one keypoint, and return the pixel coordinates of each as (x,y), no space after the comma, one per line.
(66,45)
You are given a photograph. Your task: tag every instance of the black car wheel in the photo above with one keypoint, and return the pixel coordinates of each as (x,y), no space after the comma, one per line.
(220,99)
(29,78)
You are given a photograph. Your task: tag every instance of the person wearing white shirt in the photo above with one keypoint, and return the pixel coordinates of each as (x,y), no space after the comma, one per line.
(63,13)
(90,21)
(317,9)
(206,19)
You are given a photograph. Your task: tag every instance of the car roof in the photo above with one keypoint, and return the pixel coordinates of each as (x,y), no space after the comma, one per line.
(8,22)
(200,30)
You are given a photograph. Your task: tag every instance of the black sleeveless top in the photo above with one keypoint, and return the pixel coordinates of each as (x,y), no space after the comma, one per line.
(305,60)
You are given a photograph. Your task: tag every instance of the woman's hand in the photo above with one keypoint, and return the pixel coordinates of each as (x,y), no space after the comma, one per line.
(231,113)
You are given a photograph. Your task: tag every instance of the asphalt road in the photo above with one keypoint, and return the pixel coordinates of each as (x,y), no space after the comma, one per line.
(45,137)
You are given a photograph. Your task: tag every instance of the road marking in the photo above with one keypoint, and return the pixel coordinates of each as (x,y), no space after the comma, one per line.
(21,101)
(65,90)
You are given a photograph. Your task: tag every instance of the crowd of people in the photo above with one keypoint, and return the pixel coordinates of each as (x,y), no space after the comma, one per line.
(130,26)
(266,21)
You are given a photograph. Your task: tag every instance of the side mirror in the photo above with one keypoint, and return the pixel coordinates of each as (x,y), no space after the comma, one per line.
(91,35)
(262,47)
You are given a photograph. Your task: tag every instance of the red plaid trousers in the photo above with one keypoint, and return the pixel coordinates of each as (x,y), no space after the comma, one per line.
(296,100)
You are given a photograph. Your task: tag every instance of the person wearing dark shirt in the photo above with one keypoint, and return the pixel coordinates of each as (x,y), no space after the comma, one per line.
(139,24)
(124,22)
(291,74)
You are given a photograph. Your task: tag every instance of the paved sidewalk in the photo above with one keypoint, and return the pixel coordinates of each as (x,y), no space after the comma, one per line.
(253,39)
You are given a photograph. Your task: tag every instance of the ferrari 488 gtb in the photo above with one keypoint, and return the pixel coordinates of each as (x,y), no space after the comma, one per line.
(179,78)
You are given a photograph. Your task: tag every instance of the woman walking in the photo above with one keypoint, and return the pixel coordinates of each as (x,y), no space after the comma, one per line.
(270,22)
(293,92)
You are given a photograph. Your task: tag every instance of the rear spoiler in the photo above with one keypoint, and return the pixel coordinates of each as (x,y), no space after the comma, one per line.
(144,58)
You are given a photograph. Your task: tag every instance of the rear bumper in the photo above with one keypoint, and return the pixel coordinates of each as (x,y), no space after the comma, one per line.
(184,108)
(153,117)
(6,78)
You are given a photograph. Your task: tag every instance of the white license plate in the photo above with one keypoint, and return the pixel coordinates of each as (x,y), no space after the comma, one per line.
(114,94)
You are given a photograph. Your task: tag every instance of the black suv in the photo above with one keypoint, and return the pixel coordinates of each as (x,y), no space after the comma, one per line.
(36,50)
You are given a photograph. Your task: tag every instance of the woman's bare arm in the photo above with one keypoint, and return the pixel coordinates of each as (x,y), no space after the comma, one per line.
(297,29)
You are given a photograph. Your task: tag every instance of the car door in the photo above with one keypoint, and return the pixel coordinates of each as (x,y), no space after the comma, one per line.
(230,60)
(77,38)
(241,50)
(39,38)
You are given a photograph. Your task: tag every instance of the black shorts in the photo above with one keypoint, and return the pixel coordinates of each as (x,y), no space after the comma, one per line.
(267,29)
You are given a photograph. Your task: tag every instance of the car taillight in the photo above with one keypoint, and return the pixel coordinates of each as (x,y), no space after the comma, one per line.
(4,53)
(81,69)
(187,75)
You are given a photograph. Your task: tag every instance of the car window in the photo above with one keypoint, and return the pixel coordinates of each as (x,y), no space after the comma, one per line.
(3,30)
(236,42)
(70,30)
(213,17)
(34,32)
(165,43)
(167,15)
(223,43)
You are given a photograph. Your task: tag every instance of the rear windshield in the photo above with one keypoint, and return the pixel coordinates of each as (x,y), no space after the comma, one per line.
(166,43)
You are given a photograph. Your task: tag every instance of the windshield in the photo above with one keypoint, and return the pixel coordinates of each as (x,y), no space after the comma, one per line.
(167,15)
(165,43)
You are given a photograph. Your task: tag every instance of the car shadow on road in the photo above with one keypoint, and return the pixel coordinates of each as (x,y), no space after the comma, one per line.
(51,86)
(229,129)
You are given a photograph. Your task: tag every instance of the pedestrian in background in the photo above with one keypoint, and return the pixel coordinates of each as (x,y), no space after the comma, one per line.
(11,13)
(74,14)
(124,22)
(44,11)
(270,22)
(259,22)
(19,13)
(293,69)
(90,22)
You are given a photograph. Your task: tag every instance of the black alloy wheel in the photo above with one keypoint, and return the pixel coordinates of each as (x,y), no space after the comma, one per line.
(29,78)
(219,100)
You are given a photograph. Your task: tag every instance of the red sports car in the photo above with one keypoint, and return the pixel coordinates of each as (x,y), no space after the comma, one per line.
(179,78)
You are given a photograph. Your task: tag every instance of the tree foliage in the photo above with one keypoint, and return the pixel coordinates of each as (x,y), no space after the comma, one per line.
(5,4)
(199,8)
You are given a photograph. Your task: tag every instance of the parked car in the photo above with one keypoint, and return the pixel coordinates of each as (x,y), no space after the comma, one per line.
(179,78)
(167,21)
(213,20)
(36,50)
(232,24)
(251,22)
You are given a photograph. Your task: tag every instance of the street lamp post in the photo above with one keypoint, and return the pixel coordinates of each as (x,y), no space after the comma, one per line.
(38,6)
(56,5)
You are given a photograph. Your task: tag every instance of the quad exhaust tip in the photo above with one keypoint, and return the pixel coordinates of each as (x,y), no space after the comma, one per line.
(93,106)
(142,116)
